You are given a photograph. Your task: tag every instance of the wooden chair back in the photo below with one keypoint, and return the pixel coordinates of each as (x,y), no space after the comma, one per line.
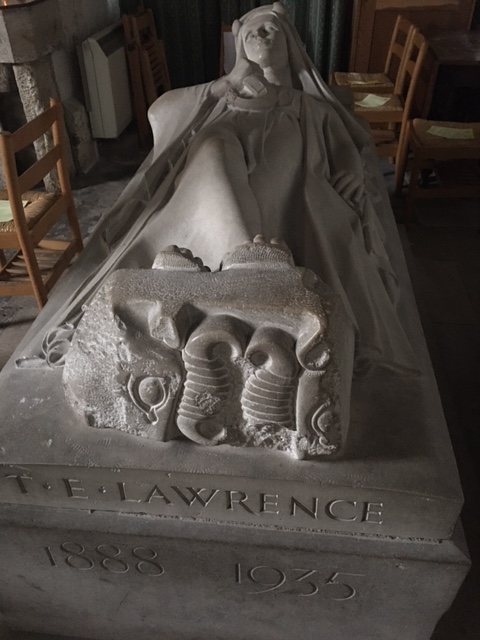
(412,75)
(37,262)
(153,62)
(148,68)
(390,120)
(390,80)
(413,66)
(399,50)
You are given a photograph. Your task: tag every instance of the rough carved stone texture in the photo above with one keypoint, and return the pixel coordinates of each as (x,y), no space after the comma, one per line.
(259,353)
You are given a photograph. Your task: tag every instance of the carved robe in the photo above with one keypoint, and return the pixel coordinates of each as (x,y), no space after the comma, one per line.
(222,173)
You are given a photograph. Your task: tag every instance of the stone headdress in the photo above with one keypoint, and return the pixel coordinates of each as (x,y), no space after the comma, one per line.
(305,76)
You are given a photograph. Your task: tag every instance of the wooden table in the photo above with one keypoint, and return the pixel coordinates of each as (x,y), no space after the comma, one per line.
(455,64)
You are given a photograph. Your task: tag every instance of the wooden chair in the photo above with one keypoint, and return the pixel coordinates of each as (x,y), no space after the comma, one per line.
(37,261)
(390,81)
(136,84)
(452,162)
(149,74)
(153,63)
(389,121)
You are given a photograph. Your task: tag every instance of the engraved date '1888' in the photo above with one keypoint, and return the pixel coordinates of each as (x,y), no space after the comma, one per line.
(106,556)
(301,582)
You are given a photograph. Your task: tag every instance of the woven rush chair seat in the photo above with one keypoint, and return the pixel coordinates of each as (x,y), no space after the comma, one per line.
(383,113)
(421,132)
(38,203)
(370,82)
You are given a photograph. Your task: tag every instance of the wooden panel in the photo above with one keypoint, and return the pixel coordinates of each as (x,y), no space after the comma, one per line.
(362,34)
(425,4)
(374,21)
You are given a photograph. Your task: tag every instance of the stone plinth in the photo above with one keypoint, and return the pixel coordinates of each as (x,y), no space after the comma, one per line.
(73,571)
(399,482)
(106,535)
(109,535)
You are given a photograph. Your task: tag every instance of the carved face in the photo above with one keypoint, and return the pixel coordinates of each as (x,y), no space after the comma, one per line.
(264,42)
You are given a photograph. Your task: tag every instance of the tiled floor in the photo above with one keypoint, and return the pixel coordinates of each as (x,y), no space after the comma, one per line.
(443,254)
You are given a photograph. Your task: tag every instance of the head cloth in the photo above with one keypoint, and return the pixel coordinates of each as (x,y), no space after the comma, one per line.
(305,76)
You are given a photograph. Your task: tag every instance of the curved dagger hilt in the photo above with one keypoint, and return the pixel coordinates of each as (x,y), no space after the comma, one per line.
(268,395)
(208,384)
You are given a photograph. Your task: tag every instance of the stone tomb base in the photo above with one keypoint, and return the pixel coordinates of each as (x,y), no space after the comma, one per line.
(111,536)
(118,577)
(108,536)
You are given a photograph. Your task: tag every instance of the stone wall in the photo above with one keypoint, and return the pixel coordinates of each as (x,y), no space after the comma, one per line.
(38,60)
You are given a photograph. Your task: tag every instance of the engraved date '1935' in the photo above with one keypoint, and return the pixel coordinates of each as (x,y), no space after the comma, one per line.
(301,582)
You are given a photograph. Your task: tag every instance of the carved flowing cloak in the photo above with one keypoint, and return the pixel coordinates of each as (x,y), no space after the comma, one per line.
(221,173)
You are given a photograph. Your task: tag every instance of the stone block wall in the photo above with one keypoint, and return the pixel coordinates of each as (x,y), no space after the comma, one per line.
(38,60)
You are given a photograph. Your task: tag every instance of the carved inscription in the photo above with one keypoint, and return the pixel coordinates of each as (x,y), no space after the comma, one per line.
(109,557)
(172,497)
(257,579)
(300,582)
(265,502)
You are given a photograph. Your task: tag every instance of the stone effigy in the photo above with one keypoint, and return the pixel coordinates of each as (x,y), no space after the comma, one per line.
(266,150)
(256,354)
(176,330)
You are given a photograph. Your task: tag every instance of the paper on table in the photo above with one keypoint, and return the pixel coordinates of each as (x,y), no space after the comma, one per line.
(451,132)
(359,81)
(6,212)
(372,100)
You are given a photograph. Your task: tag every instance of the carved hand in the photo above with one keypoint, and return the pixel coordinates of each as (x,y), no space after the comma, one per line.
(246,75)
(350,187)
